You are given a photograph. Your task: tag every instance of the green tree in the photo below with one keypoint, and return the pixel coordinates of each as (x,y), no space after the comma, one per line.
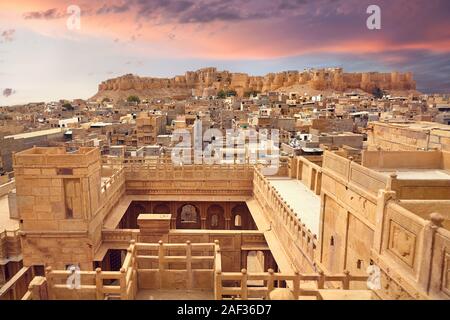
(231,93)
(221,94)
(133,99)
(67,106)
(378,93)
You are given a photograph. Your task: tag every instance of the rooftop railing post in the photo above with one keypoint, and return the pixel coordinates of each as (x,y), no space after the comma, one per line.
(189,264)
(321,280)
(244,287)
(48,276)
(123,284)
(161,262)
(346,280)
(99,284)
(296,288)
(270,281)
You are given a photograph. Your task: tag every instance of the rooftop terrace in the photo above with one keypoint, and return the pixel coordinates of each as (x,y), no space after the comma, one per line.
(304,202)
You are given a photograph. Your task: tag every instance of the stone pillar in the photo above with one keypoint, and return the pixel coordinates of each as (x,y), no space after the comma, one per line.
(202,211)
(203,224)
(174,211)
(244,259)
(299,169)
(227,223)
(39,288)
(312,180)
(2,275)
(268,263)
(428,248)
(318,183)
(384,196)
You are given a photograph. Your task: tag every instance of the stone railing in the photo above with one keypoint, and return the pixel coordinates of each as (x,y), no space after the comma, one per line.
(168,170)
(7,187)
(111,192)
(10,247)
(301,285)
(172,265)
(56,157)
(404,159)
(348,172)
(119,237)
(147,175)
(91,285)
(309,173)
(152,265)
(37,289)
(412,252)
(16,287)
(112,184)
(158,176)
(417,189)
(287,226)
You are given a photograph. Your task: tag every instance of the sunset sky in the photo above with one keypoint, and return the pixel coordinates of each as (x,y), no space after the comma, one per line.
(41,59)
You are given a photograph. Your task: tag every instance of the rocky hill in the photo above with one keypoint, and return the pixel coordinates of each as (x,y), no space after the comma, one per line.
(209,81)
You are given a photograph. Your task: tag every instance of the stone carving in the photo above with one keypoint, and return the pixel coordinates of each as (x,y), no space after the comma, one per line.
(402,243)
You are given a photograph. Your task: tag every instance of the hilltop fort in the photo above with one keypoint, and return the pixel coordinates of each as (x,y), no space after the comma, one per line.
(209,81)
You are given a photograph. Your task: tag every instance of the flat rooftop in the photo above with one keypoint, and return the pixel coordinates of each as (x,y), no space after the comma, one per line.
(415,125)
(304,202)
(418,174)
(35,134)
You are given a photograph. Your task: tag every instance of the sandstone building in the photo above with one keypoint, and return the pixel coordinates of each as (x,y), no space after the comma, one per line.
(135,226)
(409,135)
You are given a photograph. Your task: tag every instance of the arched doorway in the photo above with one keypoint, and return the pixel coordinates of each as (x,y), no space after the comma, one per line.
(188,217)
(215,219)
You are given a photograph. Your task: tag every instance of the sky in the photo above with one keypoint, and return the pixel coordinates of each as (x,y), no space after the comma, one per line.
(44,56)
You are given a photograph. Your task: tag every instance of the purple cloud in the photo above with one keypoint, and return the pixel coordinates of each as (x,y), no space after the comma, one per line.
(7,35)
(49,14)
(107,9)
(8,92)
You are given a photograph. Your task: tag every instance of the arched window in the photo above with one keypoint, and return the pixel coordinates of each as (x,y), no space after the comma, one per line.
(189,214)
(215,217)
(237,220)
